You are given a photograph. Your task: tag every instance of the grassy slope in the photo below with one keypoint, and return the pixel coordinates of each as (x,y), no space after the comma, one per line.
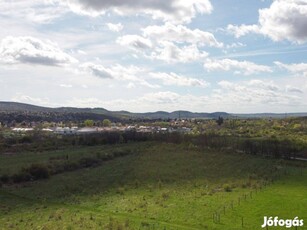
(162,186)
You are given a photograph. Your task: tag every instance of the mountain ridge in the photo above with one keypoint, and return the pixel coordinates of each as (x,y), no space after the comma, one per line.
(16,107)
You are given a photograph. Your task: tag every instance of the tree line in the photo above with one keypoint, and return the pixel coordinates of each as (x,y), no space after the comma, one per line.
(269,147)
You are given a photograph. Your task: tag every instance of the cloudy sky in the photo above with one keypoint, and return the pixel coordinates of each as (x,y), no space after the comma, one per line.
(148,55)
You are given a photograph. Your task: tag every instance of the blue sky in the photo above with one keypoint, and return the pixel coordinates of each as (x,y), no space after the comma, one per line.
(198,55)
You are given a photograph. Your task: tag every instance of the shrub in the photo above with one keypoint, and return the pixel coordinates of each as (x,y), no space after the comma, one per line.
(227,188)
(88,162)
(38,171)
(21,177)
(107,156)
(4,179)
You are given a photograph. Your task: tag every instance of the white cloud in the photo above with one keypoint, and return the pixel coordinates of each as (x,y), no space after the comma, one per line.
(172,10)
(146,102)
(242,30)
(34,11)
(246,96)
(256,93)
(97,70)
(268,85)
(235,45)
(31,50)
(65,86)
(238,67)
(181,34)
(31,100)
(132,74)
(161,98)
(283,20)
(171,43)
(131,85)
(179,80)
(169,52)
(157,101)
(135,42)
(292,89)
(135,75)
(115,27)
(299,68)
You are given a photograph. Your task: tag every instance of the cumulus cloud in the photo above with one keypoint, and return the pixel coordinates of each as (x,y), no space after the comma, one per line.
(299,68)
(267,85)
(98,70)
(115,27)
(31,50)
(179,80)
(169,52)
(171,43)
(292,89)
(242,30)
(34,11)
(181,34)
(135,75)
(238,67)
(172,10)
(283,20)
(135,42)
(132,74)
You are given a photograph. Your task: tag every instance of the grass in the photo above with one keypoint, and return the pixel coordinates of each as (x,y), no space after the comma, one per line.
(161,186)
(12,163)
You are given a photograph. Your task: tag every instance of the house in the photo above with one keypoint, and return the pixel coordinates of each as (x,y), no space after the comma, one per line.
(87,130)
(22,129)
(65,130)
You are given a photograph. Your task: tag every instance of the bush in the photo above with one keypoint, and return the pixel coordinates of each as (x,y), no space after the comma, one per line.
(107,156)
(88,162)
(21,177)
(227,188)
(4,179)
(38,171)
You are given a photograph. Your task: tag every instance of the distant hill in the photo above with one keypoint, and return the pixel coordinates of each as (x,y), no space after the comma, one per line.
(16,106)
(10,111)
(181,114)
(270,115)
(19,111)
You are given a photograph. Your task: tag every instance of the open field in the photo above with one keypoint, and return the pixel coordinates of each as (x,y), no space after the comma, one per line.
(157,186)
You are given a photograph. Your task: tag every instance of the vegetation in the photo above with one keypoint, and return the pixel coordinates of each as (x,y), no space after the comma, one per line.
(160,186)
(225,174)
(106,123)
(89,123)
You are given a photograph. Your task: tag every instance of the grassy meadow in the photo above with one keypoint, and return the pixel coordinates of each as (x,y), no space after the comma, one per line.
(155,186)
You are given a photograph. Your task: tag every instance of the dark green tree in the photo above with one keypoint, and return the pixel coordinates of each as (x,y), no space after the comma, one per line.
(220,121)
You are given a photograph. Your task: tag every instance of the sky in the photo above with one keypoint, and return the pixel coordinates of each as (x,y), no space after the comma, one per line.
(151,55)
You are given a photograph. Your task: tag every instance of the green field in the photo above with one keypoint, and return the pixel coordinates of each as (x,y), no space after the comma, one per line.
(157,186)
